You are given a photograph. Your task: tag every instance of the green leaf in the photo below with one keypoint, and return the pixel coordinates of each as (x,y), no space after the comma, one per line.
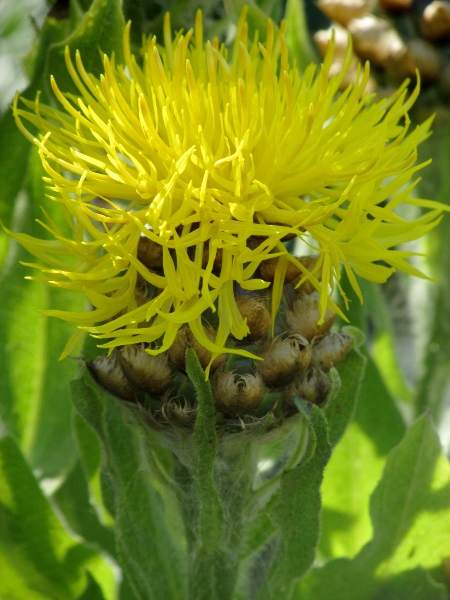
(209,562)
(377,413)
(73,500)
(298,511)
(298,36)
(411,528)
(93,591)
(351,476)
(375,319)
(339,411)
(356,465)
(38,559)
(34,404)
(256,17)
(90,457)
(149,536)
(100,32)
(14,147)
(210,521)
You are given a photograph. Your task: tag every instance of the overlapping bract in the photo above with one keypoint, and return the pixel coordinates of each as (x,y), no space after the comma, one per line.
(200,151)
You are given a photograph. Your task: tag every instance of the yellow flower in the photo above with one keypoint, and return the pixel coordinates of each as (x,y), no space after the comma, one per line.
(205,155)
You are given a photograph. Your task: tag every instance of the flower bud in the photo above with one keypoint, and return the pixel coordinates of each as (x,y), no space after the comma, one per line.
(237,394)
(307,287)
(305,314)
(341,39)
(374,39)
(255,311)
(186,339)
(149,373)
(150,253)
(435,22)
(330,350)
(417,54)
(343,11)
(313,387)
(322,39)
(107,371)
(268,268)
(285,358)
(176,414)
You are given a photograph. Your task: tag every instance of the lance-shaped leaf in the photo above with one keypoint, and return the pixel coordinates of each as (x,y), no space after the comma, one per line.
(34,404)
(356,465)
(341,407)
(411,528)
(149,536)
(38,559)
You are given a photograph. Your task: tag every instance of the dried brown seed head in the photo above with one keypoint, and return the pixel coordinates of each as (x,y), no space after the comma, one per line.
(285,358)
(330,350)
(186,339)
(305,314)
(149,373)
(237,394)
(109,374)
(257,314)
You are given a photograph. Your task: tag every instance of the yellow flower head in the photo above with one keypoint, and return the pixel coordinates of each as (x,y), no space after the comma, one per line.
(195,156)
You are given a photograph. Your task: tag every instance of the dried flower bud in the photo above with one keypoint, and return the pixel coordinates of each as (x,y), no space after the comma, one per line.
(314,387)
(435,22)
(285,358)
(257,314)
(149,373)
(150,253)
(107,371)
(305,314)
(178,414)
(374,39)
(237,394)
(330,350)
(343,11)
(186,339)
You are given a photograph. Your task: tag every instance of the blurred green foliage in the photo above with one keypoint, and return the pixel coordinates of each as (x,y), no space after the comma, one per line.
(78,491)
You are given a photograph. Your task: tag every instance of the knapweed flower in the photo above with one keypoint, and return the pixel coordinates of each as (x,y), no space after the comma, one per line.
(182,173)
